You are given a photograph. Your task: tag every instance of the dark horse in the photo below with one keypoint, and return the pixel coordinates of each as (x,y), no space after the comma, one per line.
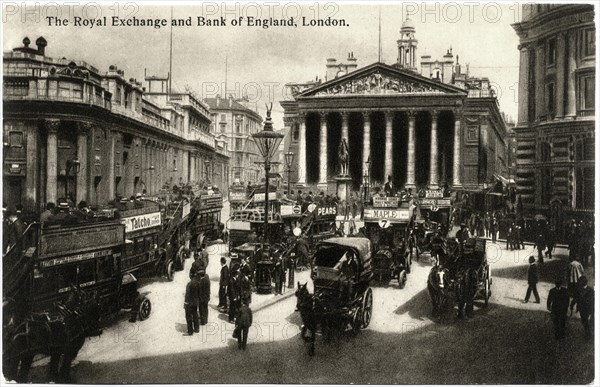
(305,304)
(466,289)
(60,335)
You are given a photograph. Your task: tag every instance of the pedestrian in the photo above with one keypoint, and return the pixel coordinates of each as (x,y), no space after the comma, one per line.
(532,280)
(494,229)
(550,236)
(204,296)
(558,303)
(223,281)
(192,300)
(47,214)
(197,265)
(234,293)
(518,238)
(575,273)
(15,232)
(245,289)
(204,255)
(585,306)
(510,237)
(278,275)
(242,325)
(540,243)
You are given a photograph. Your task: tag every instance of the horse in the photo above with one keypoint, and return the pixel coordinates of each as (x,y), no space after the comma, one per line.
(466,289)
(60,335)
(305,304)
(438,285)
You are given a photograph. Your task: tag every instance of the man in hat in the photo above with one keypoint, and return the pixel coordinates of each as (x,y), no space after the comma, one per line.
(576,272)
(192,300)
(243,323)
(197,266)
(540,243)
(532,280)
(463,234)
(234,292)
(47,214)
(223,281)
(585,306)
(204,296)
(558,304)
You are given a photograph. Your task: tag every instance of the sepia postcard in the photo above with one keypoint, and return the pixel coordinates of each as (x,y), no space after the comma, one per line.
(279,192)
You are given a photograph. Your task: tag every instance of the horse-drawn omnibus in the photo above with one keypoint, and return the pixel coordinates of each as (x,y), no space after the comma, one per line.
(342,296)
(387,224)
(56,259)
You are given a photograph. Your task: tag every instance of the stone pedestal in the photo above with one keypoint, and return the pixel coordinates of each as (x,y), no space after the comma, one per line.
(343,184)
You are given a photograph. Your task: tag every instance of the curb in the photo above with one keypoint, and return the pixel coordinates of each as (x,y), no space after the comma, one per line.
(274,301)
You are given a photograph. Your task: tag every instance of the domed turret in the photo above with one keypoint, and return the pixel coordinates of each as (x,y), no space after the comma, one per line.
(407,45)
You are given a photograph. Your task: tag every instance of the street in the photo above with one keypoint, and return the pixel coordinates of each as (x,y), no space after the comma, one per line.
(509,342)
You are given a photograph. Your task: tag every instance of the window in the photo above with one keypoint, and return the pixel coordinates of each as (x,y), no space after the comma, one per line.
(584,149)
(15,139)
(296,132)
(550,100)
(118,95)
(589,46)
(222,117)
(238,144)
(551,54)
(585,188)
(587,93)
(238,126)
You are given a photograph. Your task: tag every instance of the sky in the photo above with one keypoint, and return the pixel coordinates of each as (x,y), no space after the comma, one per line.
(260,61)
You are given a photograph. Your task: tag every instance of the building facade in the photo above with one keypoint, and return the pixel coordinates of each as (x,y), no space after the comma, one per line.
(423,129)
(555,128)
(71,131)
(233,123)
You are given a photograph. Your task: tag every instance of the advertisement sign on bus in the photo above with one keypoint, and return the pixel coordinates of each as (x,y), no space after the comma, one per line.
(140,222)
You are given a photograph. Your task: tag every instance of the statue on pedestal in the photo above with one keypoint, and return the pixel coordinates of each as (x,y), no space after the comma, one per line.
(343,157)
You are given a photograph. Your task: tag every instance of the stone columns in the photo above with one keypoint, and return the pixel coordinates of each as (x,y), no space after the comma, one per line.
(111,165)
(344,115)
(560,75)
(410,164)
(456,181)
(433,161)
(389,163)
(323,149)
(523,88)
(51,160)
(81,192)
(540,83)
(31,179)
(571,78)
(302,150)
(366,138)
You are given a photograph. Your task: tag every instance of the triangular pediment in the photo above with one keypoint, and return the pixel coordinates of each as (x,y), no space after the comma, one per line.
(380,79)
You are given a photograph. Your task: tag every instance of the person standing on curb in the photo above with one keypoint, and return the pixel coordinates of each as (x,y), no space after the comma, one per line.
(558,304)
(532,280)
(234,292)
(192,300)
(223,281)
(204,296)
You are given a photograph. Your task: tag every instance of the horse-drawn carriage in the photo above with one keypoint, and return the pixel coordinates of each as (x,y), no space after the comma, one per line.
(462,276)
(342,296)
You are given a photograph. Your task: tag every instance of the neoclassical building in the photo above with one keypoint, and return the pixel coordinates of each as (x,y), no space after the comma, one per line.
(70,130)
(423,127)
(555,131)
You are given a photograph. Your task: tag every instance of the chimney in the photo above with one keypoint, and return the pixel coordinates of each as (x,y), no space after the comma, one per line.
(41,45)
(332,68)
(218,100)
(230,101)
(352,65)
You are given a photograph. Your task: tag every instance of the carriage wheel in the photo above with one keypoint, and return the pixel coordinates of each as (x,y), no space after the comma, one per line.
(367,308)
(486,291)
(144,308)
(181,258)
(170,271)
(402,279)
(357,320)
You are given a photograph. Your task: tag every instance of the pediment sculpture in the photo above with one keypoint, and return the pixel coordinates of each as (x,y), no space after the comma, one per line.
(378,83)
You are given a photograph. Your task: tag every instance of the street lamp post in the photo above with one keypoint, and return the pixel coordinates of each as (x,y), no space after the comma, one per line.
(267,142)
(367,178)
(289,159)
(74,165)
